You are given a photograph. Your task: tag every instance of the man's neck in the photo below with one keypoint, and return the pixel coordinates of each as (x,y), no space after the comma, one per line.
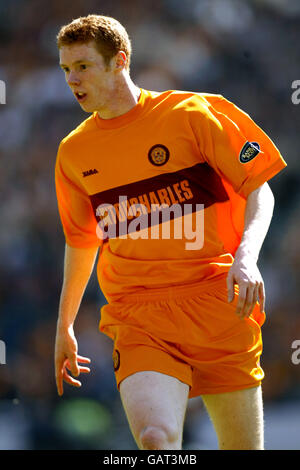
(125,96)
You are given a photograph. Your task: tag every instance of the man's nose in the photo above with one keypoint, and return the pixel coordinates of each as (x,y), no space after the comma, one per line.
(73,79)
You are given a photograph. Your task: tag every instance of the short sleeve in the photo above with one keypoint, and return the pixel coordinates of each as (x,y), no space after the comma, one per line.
(75,210)
(235,146)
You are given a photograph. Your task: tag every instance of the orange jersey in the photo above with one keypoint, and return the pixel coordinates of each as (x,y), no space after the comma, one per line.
(197,154)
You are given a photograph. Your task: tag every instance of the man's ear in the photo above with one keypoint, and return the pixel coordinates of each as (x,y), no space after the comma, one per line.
(121,60)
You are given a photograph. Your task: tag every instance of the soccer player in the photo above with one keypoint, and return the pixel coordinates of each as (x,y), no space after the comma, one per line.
(171,189)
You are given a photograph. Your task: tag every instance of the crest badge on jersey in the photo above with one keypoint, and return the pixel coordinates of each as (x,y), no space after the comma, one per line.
(158,155)
(116,359)
(249,151)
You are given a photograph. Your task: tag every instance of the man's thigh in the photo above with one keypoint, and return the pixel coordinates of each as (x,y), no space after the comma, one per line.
(155,405)
(237,418)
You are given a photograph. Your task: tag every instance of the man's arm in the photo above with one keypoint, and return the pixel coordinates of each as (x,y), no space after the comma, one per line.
(78,266)
(244,271)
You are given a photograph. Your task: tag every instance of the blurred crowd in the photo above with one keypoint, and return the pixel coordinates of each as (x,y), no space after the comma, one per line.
(246,50)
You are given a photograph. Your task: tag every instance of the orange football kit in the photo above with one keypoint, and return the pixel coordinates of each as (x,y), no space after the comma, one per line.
(162,191)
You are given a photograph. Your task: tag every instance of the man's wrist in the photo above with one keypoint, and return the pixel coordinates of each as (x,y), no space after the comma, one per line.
(64,324)
(246,253)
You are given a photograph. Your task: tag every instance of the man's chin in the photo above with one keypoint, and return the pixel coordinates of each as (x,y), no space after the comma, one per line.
(87,108)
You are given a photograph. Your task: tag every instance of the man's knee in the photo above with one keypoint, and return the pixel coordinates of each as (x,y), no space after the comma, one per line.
(159,438)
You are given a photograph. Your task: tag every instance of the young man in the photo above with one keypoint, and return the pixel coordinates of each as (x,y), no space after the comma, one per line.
(140,178)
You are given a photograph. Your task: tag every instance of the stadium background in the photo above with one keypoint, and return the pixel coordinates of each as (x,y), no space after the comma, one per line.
(246,50)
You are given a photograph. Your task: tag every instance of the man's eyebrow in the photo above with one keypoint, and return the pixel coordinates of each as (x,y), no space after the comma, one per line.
(76,62)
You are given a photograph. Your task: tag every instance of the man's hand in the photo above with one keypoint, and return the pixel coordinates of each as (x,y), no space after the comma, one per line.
(245,273)
(66,358)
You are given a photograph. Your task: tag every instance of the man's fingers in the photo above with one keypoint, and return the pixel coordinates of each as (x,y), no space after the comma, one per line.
(84,370)
(241,299)
(67,378)
(59,386)
(81,369)
(59,380)
(248,297)
(230,287)
(72,365)
(86,360)
(252,295)
(75,369)
(261,296)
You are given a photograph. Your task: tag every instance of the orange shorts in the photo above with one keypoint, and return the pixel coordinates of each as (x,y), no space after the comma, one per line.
(188,332)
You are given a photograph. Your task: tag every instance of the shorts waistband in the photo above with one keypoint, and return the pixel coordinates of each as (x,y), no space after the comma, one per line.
(173,292)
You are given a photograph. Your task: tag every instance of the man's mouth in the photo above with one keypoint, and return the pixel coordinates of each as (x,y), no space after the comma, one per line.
(80,96)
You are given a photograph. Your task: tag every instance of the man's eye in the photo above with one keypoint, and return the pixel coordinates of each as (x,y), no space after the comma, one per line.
(82,67)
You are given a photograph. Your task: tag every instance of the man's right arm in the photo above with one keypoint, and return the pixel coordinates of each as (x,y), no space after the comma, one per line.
(78,266)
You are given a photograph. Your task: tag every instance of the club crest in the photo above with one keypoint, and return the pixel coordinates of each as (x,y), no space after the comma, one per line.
(158,155)
(116,359)
(249,151)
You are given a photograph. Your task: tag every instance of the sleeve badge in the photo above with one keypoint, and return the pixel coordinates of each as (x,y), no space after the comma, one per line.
(249,151)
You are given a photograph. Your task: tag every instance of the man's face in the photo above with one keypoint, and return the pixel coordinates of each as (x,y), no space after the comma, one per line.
(90,79)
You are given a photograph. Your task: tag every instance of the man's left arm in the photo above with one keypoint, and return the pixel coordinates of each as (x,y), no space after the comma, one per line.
(244,271)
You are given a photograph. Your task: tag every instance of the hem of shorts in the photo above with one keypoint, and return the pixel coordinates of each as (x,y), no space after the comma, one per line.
(171,373)
(224,389)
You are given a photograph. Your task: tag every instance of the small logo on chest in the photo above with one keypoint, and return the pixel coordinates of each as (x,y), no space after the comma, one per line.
(89,172)
(158,155)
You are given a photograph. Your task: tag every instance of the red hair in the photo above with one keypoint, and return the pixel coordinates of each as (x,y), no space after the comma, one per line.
(109,35)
